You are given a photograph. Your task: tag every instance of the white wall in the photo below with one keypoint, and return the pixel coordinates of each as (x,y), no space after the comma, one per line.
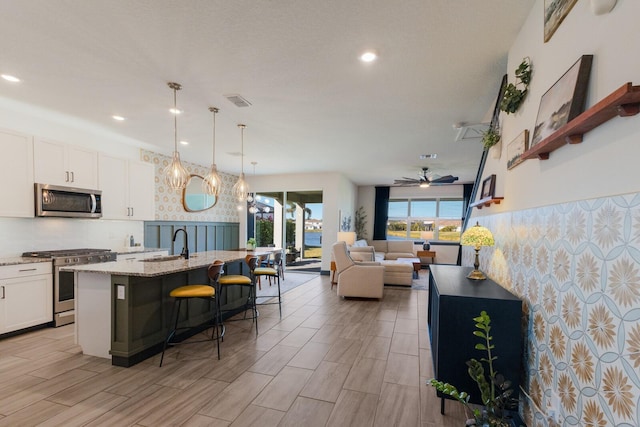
(606,162)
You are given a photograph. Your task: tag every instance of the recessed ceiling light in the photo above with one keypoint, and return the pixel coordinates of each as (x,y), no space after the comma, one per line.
(175,111)
(118,118)
(10,78)
(369,56)
(428,156)
(184,142)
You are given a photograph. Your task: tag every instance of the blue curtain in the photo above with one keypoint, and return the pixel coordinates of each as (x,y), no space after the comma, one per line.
(381,213)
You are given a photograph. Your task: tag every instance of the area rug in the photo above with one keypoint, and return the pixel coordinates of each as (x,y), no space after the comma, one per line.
(422,282)
(291,281)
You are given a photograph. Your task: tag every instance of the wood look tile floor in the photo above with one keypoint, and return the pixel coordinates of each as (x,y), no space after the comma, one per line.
(328,361)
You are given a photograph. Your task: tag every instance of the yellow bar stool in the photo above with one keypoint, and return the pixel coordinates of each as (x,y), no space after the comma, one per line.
(187,292)
(248,282)
(272,272)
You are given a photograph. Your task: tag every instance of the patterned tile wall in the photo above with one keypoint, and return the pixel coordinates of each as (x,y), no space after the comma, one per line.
(169,202)
(577,268)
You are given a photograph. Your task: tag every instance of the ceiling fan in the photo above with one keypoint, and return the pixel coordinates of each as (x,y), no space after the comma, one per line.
(425,179)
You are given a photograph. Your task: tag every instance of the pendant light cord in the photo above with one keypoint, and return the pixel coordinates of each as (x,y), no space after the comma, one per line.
(213,158)
(175,121)
(241,126)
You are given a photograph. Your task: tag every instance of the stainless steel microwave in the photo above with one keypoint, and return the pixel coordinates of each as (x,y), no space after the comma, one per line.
(55,200)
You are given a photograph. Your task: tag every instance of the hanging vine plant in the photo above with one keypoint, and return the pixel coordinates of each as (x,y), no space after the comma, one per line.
(514,94)
(491,137)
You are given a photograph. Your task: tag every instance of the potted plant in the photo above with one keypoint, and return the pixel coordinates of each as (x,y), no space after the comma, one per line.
(251,244)
(490,137)
(494,390)
(360,223)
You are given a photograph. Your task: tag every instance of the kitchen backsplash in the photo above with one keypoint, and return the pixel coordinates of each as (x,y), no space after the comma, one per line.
(20,235)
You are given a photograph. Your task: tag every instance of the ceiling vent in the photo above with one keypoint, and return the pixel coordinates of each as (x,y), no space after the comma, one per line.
(237,100)
(470,132)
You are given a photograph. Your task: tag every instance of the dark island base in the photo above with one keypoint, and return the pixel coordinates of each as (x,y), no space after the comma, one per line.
(142,320)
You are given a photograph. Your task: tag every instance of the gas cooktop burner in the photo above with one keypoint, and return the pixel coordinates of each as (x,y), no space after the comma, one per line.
(64,252)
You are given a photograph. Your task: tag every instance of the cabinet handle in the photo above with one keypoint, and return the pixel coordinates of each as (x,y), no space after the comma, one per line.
(66,178)
(131,211)
(27,269)
(128,211)
(3,295)
(73,178)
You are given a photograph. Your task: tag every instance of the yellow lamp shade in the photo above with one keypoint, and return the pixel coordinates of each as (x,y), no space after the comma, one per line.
(477,236)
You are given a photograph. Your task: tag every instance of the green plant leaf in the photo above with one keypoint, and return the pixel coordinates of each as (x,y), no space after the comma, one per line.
(481,347)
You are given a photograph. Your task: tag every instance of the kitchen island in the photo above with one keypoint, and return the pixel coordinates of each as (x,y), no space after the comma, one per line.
(123,308)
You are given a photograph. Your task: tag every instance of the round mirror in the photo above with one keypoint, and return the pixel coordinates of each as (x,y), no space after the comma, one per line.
(194,199)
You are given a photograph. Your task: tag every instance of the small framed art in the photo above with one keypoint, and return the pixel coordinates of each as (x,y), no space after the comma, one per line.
(515,149)
(488,187)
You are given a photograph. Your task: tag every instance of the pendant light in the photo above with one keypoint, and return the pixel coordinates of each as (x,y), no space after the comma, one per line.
(212,182)
(175,175)
(251,198)
(241,189)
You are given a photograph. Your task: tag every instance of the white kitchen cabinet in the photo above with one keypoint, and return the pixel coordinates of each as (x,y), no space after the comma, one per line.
(127,188)
(58,163)
(16,174)
(136,256)
(26,296)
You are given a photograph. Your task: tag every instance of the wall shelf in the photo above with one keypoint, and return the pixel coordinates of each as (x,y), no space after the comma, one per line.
(623,102)
(487,201)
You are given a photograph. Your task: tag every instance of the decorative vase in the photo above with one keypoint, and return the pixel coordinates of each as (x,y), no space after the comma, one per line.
(496,150)
(600,7)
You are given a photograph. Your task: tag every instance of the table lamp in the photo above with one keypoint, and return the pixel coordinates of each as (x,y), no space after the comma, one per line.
(349,237)
(477,236)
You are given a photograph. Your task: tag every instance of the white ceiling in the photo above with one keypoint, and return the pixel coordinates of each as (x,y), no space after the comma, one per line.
(315,106)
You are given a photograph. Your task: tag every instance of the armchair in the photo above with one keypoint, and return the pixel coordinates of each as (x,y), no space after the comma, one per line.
(357,279)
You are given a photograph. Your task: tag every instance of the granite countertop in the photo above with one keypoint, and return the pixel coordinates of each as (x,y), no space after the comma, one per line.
(21,260)
(138,250)
(160,268)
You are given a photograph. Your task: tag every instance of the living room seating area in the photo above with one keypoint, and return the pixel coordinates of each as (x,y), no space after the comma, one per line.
(386,253)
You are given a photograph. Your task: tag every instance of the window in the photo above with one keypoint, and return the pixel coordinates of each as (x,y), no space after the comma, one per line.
(424,219)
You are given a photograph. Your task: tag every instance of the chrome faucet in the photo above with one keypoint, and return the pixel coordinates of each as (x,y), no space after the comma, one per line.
(185,249)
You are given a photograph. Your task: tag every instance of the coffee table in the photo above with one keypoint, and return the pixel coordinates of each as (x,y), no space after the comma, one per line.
(415,262)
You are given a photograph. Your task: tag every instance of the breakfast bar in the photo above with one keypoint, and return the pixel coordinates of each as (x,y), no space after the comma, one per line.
(123,308)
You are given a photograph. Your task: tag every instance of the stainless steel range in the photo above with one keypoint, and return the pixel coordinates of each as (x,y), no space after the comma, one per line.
(63,283)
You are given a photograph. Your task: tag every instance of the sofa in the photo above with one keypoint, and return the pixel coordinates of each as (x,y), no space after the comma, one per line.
(357,279)
(386,252)
(379,250)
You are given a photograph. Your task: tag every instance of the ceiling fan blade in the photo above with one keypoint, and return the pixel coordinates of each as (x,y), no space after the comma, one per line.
(447,179)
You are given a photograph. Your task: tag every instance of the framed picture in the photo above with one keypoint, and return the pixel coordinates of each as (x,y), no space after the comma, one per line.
(564,101)
(515,149)
(554,13)
(488,187)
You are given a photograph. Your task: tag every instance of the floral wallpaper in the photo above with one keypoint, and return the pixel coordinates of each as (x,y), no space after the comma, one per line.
(169,202)
(576,267)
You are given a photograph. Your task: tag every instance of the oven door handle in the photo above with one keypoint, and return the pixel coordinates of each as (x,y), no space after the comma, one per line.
(93,203)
